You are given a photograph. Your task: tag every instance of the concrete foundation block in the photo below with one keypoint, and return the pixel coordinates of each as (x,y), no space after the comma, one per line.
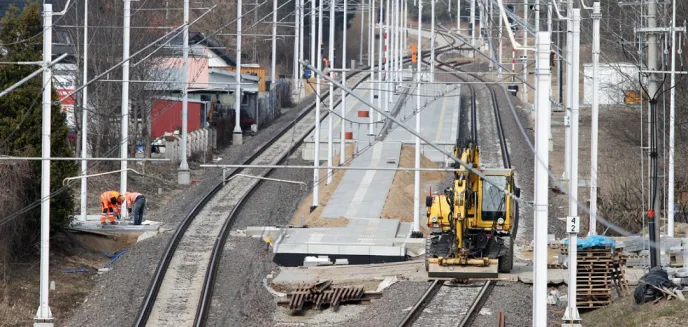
(636,244)
(670,243)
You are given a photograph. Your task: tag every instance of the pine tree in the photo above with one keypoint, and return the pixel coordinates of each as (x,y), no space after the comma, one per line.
(20,112)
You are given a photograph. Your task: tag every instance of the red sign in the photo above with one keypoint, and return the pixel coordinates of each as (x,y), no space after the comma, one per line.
(63,93)
(68,101)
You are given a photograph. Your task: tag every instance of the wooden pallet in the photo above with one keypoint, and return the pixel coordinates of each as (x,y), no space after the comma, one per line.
(600,271)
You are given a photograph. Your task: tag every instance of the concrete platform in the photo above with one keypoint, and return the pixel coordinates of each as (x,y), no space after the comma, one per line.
(360,131)
(362,194)
(439,119)
(362,241)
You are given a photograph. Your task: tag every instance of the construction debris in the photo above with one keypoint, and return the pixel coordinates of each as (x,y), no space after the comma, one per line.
(600,269)
(323,294)
(656,285)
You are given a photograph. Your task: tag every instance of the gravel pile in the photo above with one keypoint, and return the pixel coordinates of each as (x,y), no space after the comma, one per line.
(118,294)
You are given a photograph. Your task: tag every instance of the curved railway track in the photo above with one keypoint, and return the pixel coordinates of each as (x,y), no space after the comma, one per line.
(182,286)
(440,304)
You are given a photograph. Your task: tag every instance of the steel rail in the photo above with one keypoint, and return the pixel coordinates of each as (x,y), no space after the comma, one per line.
(478,302)
(422,303)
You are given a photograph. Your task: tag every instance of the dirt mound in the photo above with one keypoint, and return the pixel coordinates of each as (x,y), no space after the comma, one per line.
(399,203)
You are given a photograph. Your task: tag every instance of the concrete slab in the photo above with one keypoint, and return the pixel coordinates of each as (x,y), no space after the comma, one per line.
(362,194)
(411,270)
(90,225)
(362,241)
(439,119)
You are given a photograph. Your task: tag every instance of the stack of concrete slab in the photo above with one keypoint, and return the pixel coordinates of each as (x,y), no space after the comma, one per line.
(672,251)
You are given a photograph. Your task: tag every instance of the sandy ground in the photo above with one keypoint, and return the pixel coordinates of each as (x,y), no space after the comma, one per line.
(399,203)
(304,216)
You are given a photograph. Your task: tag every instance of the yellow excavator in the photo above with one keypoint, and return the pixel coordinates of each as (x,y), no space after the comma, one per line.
(472,225)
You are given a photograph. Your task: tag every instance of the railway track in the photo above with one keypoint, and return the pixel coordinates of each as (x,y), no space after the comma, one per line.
(443,303)
(181,290)
(182,286)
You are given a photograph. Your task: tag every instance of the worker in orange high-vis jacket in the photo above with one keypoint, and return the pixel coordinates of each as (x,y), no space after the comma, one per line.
(111,203)
(135,203)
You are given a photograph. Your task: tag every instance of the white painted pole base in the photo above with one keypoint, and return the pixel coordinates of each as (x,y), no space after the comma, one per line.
(237,138)
(183,176)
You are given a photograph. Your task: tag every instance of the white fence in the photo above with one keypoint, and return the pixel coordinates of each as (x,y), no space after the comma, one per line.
(198,143)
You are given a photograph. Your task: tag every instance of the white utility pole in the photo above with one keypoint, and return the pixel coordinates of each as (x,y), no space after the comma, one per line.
(378,88)
(524,94)
(371,61)
(342,137)
(432,41)
(44,316)
(371,33)
(406,47)
(274,45)
(183,173)
(392,41)
(416,177)
(596,16)
(295,65)
(123,148)
(549,17)
(500,50)
(388,53)
(481,21)
(84,123)
(316,158)
(571,315)
(541,191)
(472,26)
(672,127)
(396,49)
(400,40)
(537,15)
(458,16)
(299,78)
(312,36)
(330,122)
(237,137)
(569,94)
(360,44)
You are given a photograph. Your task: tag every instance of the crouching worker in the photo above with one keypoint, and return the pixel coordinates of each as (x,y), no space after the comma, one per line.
(111,203)
(135,203)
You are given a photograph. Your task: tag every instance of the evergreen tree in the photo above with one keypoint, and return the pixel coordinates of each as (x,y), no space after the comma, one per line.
(20,112)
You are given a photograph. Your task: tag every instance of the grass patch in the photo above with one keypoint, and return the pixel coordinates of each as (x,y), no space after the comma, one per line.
(624,312)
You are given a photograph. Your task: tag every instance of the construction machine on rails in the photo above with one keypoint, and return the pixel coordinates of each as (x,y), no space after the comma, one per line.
(472,225)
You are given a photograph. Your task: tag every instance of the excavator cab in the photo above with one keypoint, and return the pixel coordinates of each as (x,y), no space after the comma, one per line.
(472,224)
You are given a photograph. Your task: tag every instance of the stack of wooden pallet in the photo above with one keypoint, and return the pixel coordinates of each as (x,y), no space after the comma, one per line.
(600,271)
